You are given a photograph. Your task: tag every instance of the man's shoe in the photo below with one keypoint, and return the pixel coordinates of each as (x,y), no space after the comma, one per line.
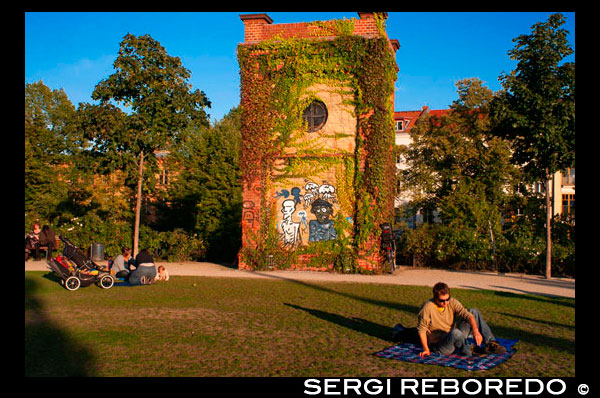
(493,347)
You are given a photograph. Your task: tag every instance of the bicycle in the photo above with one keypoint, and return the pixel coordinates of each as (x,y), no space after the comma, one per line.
(388,246)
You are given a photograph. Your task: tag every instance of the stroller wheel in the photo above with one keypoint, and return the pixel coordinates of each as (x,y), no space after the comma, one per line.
(72,283)
(106,282)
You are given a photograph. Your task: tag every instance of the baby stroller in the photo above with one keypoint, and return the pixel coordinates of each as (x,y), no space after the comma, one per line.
(75,269)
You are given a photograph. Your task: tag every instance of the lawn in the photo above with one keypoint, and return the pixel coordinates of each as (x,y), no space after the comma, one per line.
(200,326)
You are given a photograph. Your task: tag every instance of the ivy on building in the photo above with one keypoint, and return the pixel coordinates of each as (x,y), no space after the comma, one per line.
(275,76)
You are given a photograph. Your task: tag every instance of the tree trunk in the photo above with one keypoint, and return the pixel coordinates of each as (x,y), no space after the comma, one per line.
(138,205)
(549,189)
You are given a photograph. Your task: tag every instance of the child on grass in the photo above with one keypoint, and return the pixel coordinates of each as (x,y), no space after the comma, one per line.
(163,274)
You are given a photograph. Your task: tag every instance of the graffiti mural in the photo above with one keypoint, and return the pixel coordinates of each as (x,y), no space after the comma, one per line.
(248,214)
(297,205)
(322,228)
(290,236)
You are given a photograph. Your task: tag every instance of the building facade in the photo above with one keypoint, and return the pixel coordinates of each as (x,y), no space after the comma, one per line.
(317,142)
(563,182)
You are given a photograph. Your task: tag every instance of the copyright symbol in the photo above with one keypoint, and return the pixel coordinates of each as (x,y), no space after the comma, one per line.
(583,389)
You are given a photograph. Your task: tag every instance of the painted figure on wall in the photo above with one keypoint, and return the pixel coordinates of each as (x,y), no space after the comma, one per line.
(322,228)
(317,226)
(327,192)
(290,236)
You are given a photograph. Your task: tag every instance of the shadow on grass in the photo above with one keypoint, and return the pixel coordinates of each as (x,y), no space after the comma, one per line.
(533,296)
(558,344)
(50,351)
(51,276)
(540,321)
(384,332)
(357,324)
(414,309)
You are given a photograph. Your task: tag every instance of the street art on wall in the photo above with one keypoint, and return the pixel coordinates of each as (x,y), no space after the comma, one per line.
(322,228)
(297,205)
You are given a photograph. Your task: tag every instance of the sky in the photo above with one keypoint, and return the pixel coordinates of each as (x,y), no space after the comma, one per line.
(76,50)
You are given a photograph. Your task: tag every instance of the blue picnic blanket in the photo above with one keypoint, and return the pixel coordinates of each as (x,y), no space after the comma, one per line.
(410,353)
(121,282)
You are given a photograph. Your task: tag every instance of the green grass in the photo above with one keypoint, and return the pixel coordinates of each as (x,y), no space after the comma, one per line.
(200,326)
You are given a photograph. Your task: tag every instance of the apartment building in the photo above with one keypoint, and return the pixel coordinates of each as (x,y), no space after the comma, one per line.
(563,182)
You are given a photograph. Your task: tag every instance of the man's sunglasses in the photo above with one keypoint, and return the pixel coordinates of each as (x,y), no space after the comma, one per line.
(443,300)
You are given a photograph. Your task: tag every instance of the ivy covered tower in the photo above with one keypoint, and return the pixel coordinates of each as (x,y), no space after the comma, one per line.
(317,142)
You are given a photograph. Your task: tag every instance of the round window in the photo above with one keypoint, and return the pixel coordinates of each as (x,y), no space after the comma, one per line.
(315,115)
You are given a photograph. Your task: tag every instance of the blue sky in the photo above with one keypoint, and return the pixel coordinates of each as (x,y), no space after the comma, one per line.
(74,51)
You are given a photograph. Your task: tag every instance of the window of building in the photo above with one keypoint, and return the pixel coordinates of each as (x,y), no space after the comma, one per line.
(568,204)
(402,125)
(164,177)
(568,176)
(315,116)
(539,187)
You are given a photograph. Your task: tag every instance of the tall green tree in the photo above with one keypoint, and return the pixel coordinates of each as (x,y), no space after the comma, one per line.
(205,195)
(49,117)
(457,169)
(450,149)
(536,108)
(154,86)
(106,156)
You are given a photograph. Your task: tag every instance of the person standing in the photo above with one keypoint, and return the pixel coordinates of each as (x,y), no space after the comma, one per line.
(47,238)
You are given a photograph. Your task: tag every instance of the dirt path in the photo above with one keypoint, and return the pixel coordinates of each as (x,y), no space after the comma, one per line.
(513,283)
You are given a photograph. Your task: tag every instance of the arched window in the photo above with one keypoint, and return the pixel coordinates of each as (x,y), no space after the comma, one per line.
(315,115)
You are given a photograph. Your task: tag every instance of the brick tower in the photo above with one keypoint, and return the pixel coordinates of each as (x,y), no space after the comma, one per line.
(317,142)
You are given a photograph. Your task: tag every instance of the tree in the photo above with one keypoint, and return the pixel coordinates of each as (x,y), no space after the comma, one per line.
(154,86)
(49,119)
(205,195)
(458,169)
(450,149)
(536,108)
(106,157)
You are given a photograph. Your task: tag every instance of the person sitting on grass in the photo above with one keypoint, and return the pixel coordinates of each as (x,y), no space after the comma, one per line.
(163,274)
(444,324)
(120,265)
(145,270)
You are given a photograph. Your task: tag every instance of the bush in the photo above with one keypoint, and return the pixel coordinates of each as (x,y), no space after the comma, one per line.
(463,248)
(520,248)
(521,252)
(563,246)
(88,229)
(174,245)
(418,243)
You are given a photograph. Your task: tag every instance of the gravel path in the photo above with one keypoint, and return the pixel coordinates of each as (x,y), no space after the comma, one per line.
(513,283)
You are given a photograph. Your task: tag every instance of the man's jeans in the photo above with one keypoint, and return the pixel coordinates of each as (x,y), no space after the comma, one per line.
(135,277)
(455,340)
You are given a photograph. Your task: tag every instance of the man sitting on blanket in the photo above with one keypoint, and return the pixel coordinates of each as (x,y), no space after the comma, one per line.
(439,332)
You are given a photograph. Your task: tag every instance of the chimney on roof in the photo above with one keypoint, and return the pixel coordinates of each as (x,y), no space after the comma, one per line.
(254,26)
(367,15)
(262,19)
